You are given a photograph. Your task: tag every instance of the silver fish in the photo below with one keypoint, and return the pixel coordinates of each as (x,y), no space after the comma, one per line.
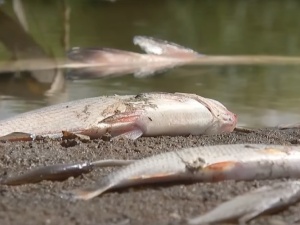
(209,163)
(252,204)
(148,114)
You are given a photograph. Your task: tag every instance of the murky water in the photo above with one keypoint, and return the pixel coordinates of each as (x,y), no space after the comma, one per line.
(265,95)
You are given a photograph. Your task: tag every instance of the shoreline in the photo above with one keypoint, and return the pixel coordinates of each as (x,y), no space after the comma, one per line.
(156,204)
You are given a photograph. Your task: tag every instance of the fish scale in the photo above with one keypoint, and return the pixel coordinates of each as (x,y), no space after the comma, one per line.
(208,163)
(65,116)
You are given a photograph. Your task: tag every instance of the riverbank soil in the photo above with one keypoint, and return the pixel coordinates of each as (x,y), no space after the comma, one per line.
(41,204)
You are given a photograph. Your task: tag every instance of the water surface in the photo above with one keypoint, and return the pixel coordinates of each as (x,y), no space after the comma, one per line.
(265,95)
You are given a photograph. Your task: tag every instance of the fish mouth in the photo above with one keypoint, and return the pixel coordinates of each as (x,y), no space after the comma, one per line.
(230,123)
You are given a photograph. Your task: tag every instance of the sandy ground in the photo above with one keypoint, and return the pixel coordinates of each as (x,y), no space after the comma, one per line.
(40,203)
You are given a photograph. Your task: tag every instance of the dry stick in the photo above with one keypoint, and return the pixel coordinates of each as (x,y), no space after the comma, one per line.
(243,130)
(288,126)
(20,13)
(246,60)
(44,64)
(60,171)
(66,25)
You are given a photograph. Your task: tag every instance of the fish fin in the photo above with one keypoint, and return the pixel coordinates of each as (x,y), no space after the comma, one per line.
(85,193)
(164,48)
(219,169)
(101,55)
(221,166)
(19,136)
(122,124)
(133,134)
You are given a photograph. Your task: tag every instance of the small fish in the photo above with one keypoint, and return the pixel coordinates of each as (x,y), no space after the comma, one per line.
(209,163)
(246,207)
(147,114)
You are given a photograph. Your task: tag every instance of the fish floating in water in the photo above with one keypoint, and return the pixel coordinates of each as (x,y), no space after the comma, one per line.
(132,116)
(209,163)
(161,55)
(246,207)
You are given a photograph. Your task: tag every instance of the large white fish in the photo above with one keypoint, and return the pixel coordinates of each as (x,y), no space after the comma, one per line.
(209,163)
(148,114)
(252,204)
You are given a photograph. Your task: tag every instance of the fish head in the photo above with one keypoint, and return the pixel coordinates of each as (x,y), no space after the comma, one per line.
(227,121)
(224,120)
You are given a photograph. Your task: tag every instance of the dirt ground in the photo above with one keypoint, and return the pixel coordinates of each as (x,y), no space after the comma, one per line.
(40,203)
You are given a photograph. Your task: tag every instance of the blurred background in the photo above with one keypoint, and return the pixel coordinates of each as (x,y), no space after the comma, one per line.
(261,95)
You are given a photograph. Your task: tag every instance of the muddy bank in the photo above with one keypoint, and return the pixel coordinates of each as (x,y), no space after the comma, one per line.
(41,204)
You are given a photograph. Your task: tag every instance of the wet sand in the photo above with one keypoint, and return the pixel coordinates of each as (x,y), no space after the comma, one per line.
(40,203)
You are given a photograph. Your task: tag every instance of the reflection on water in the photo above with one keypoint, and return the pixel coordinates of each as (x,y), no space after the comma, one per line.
(260,95)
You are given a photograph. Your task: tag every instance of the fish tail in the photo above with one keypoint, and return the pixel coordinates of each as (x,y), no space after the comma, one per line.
(164,48)
(85,193)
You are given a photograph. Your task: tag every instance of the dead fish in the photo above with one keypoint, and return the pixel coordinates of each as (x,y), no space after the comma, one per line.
(252,204)
(209,163)
(147,114)
(161,55)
